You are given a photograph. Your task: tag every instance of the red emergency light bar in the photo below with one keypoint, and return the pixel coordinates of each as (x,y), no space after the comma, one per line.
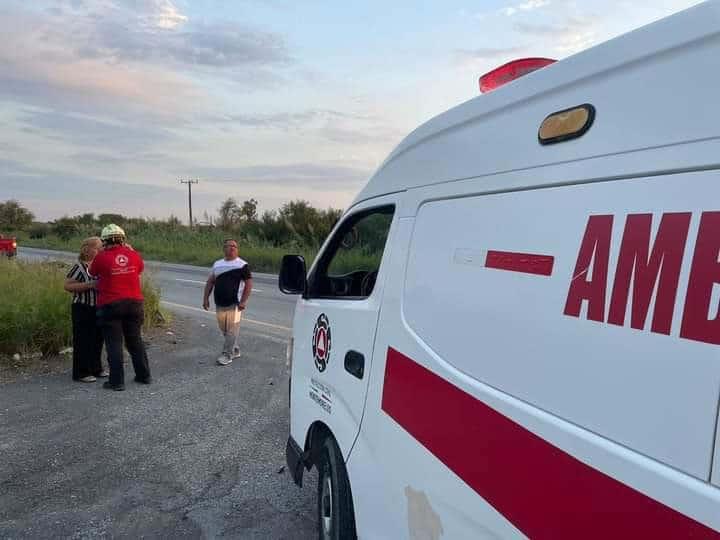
(511,71)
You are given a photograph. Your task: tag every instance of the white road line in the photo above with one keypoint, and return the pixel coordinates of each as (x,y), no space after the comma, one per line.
(203,283)
(210,313)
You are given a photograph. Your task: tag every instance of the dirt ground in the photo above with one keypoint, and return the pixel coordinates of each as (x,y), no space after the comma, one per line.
(197,454)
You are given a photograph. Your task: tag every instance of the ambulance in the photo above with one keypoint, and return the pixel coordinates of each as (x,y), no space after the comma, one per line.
(514,330)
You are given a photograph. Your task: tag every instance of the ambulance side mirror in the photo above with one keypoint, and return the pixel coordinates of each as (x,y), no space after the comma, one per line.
(293,276)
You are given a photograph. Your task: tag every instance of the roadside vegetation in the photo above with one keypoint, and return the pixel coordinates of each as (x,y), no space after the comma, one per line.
(263,239)
(35,310)
(201,247)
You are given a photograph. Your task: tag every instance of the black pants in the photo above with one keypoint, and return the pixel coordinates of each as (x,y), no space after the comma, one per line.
(123,320)
(87,342)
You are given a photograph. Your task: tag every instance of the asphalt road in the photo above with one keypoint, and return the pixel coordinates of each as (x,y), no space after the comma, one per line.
(198,454)
(268,309)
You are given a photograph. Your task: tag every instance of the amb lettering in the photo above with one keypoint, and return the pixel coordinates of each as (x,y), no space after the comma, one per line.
(647,269)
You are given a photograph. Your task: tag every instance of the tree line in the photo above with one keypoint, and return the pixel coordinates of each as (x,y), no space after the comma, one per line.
(294,223)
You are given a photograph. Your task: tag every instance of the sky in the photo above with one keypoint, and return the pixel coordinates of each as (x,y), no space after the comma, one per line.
(105,105)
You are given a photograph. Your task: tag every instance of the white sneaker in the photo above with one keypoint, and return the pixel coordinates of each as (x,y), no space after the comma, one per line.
(224,360)
(89,378)
(236,353)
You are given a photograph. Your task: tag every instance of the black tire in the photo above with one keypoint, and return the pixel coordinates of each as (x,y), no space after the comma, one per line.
(336,516)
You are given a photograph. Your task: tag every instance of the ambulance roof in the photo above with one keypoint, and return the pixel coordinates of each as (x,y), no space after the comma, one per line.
(629,80)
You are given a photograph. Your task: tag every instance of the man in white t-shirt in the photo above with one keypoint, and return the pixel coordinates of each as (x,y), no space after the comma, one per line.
(232,281)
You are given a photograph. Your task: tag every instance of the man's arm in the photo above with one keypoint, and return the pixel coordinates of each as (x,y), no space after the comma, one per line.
(246,294)
(208,289)
(73,286)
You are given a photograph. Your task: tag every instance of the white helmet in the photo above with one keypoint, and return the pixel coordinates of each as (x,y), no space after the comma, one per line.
(112,231)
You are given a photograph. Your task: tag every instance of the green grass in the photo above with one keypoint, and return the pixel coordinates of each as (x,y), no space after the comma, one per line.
(154,314)
(202,248)
(190,247)
(35,309)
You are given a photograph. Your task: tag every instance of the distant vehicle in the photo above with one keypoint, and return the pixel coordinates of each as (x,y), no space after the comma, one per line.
(8,246)
(514,330)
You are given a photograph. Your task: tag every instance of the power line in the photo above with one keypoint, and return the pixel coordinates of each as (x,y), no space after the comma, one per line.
(189,183)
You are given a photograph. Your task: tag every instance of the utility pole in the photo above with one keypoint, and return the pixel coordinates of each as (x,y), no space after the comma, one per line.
(189,183)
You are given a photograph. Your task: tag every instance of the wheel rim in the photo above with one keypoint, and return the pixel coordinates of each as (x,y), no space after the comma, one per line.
(326,507)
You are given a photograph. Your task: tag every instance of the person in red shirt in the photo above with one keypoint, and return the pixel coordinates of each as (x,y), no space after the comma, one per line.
(120,306)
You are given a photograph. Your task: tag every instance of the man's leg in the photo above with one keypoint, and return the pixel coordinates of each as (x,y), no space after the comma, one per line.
(132,330)
(221,314)
(234,332)
(113,334)
(225,318)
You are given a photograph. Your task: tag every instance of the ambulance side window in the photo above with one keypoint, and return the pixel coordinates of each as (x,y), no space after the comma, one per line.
(349,266)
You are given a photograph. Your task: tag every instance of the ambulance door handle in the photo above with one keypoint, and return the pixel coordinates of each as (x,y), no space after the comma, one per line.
(355,364)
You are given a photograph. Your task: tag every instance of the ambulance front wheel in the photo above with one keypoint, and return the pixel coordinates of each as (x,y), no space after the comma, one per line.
(336,517)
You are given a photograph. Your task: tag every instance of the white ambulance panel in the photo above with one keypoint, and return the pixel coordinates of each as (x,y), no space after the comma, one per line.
(487,285)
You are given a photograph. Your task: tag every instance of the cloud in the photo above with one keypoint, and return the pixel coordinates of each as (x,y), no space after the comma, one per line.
(129,56)
(286,120)
(529,5)
(10,166)
(155,13)
(327,123)
(486,53)
(155,31)
(91,132)
(482,59)
(97,158)
(52,193)
(305,175)
(102,159)
(168,16)
(354,136)
(571,35)
(207,45)
(335,126)
(88,189)
(567,27)
(38,65)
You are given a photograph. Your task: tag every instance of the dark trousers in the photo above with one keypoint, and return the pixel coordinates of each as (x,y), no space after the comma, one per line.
(122,320)
(87,342)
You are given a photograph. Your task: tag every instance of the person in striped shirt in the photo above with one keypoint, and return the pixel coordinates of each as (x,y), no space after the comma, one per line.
(87,337)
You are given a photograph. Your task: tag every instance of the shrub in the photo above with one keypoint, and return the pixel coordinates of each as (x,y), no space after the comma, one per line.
(39,230)
(65,228)
(35,309)
(154,314)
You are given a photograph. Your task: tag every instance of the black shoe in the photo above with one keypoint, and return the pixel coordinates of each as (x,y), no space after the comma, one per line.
(116,387)
(147,380)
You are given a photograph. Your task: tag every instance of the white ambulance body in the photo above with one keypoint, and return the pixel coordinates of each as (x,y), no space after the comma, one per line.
(514,331)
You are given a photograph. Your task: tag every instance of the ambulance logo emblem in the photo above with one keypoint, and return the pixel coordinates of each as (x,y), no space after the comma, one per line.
(321,342)
(121,260)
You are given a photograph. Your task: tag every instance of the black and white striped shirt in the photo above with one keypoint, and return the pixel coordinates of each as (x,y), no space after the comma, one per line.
(230,277)
(79,272)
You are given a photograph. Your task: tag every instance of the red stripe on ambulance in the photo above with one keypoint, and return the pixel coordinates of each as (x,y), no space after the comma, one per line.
(527,263)
(541,490)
